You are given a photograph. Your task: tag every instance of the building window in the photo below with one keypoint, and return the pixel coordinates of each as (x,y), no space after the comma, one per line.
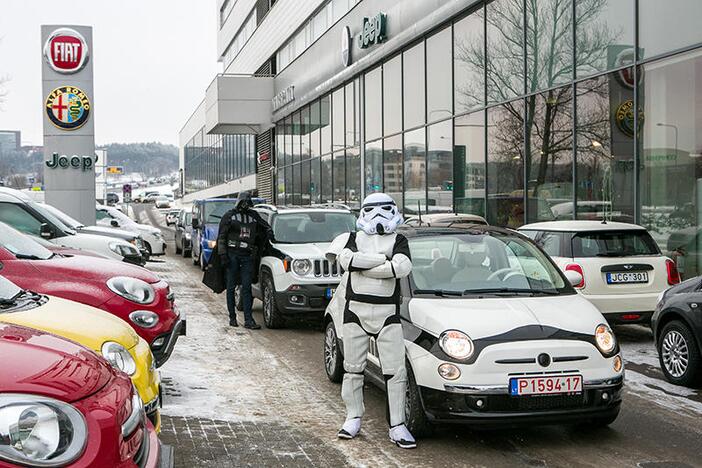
(353,177)
(668,26)
(240,38)
(373,104)
(392,96)
(325,107)
(338,116)
(469,164)
(392,168)
(505,50)
(339,177)
(415,171)
(413,86)
(439,76)
(440,167)
(549,44)
(469,62)
(315,181)
(326,179)
(373,172)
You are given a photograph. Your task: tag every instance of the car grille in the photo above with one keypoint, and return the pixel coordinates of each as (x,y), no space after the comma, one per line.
(327,268)
(508,403)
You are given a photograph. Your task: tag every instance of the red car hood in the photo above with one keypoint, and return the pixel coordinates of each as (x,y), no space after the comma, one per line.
(68,251)
(42,364)
(85,268)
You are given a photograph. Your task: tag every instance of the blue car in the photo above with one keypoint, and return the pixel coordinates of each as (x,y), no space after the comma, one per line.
(206,217)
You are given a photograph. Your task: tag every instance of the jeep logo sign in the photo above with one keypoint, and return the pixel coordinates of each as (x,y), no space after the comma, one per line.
(85,163)
(373,31)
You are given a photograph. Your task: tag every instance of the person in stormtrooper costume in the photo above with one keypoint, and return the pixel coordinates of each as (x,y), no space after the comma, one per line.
(374,259)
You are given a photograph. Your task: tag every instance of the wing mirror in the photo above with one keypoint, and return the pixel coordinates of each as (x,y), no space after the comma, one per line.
(45,231)
(114,223)
(573,277)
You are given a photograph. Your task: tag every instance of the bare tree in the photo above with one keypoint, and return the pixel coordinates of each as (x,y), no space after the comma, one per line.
(545,126)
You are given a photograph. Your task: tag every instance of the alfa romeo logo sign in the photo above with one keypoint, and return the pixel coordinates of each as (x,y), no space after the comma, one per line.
(67,107)
(66,51)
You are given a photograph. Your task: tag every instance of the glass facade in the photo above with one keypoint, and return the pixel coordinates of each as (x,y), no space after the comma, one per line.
(212,160)
(523,112)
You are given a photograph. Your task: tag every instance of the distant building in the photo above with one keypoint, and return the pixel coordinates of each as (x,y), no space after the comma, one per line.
(10,140)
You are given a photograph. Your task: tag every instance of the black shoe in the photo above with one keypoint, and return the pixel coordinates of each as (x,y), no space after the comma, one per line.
(252,326)
(233,323)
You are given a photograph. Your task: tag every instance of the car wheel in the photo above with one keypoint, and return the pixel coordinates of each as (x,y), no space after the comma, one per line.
(333,360)
(186,252)
(271,315)
(679,355)
(415,418)
(148,248)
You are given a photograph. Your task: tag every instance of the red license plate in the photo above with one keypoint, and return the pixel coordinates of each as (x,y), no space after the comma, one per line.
(546,385)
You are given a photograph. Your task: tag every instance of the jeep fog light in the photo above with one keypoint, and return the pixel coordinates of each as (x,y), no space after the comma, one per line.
(449,371)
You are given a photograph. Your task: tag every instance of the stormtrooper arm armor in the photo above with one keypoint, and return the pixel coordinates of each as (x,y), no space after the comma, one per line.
(399,266)
(353,260)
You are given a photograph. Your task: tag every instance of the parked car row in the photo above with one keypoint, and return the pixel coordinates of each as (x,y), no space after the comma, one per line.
(82,336)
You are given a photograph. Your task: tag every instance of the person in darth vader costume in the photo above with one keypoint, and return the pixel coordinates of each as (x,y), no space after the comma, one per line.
(243,238)
(374,258)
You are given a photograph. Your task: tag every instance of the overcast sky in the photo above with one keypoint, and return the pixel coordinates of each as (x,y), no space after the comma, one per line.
(152,60)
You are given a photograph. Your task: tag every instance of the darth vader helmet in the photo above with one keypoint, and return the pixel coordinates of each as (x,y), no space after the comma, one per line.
(244,202)
(379,215)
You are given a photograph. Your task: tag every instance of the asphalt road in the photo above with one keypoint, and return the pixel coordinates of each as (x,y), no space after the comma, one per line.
(275,381)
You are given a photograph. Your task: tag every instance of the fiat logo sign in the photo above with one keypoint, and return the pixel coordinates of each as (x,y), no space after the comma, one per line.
(66,51)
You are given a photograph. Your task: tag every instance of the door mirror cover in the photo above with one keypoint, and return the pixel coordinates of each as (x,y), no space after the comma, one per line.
(573,277)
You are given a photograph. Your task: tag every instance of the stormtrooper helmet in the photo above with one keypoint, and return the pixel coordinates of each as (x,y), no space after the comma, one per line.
(379,215)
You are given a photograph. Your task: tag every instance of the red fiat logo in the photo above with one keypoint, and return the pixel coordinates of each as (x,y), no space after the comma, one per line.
(66,51)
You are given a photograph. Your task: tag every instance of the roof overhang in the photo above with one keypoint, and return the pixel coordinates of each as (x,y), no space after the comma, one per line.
(239,104)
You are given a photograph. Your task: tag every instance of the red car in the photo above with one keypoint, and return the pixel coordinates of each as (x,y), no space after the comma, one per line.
(61,404)
(132,293)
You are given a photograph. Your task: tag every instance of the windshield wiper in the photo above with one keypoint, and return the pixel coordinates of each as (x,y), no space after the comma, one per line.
(548,292)
(21,256)
(438,292)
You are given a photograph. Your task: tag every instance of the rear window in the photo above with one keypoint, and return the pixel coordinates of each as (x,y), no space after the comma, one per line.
(614,244)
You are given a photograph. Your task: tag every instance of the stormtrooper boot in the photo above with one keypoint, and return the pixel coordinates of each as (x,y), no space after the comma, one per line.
(350,429)
(401,436)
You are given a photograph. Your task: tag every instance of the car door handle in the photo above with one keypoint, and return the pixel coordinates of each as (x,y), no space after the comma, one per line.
(694,305)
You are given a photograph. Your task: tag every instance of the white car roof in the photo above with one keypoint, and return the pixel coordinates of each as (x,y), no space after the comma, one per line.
(580,226)
(433,217)
(283,210)
(13,196)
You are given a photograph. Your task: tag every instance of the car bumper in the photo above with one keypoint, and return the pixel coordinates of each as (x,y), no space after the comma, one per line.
(494,406)
(162,347)
(154,454)
(304,299)
(613,305)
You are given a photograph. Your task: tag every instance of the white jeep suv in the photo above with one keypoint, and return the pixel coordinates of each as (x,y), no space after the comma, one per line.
(301,285)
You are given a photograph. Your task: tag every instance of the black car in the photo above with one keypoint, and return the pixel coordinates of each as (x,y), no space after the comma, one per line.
(677,330)
(183,233)
(112,198)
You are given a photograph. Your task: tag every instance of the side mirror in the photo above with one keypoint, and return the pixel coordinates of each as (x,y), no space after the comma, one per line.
(114,223)
(573,277)
(45,231)
(196,223)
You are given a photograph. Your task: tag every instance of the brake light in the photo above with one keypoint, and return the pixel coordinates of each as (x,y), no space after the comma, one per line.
(577,268)
(673,274)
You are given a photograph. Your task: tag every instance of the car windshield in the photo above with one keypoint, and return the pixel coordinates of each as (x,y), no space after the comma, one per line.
(65,219)
(625,243)
(52,219)
(215,210)
(21,245)
(117,214)
(481,263)
(311,226)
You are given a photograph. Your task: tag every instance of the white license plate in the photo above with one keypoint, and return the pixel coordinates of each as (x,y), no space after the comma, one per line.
(329,293)
(628,277)
(546,385)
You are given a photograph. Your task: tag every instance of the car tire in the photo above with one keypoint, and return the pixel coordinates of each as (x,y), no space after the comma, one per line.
(333,360)
(271,315)
(186,253)
(415,418)
(677,343)
(148,248)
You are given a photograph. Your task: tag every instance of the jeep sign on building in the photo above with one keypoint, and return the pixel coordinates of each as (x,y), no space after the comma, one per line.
(69,136)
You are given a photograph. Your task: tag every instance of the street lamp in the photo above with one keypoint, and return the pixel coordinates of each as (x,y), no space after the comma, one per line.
(674,127)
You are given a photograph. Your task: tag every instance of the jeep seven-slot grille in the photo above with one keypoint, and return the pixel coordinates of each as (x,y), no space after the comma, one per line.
(327,268)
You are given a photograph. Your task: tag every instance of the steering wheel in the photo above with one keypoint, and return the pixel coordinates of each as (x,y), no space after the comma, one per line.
(500,272)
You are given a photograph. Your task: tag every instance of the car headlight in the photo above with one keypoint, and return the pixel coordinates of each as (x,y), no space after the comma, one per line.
(301,267)
(144,318)
(605,339)
(132,289)
(211,244)
(119,357)
(125,250)
(456,344)
(39,431)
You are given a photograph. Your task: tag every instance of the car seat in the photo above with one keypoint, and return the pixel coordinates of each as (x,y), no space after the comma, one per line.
(473,269)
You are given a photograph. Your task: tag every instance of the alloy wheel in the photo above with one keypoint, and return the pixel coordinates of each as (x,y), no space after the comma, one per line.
(675,353)
(267,302)
(330,350)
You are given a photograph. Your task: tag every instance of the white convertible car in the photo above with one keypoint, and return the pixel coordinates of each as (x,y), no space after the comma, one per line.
(495,334)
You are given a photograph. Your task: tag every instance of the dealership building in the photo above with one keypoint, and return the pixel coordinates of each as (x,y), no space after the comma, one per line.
(516,110)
